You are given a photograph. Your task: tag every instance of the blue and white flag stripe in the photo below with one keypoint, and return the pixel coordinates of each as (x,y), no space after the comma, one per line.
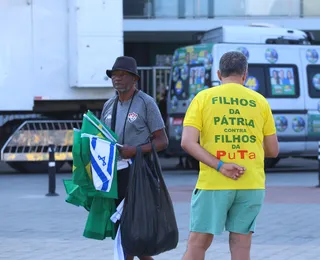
(103,161)
(105,177)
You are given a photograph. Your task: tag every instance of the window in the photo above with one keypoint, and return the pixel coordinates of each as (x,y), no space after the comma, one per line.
(313,72)
(196,8)
(199,79)
(189,80)
(256,78)
(283,81)
(274,81)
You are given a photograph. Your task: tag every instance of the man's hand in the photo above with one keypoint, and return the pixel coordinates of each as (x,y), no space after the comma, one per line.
(232,170)
(127,152)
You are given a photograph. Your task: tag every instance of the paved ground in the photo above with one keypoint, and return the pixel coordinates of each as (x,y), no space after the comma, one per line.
(35,227)
(169,164)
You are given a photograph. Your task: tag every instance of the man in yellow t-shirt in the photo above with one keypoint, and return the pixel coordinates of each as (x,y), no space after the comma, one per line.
(237,131)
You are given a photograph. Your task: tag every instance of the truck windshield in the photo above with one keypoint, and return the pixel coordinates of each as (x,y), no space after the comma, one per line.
(189,80)
(191,73)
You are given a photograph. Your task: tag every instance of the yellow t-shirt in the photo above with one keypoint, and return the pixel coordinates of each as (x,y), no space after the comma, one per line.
(232,121)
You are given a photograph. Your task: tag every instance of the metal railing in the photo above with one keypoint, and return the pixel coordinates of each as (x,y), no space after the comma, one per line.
(153,80)
(31,140)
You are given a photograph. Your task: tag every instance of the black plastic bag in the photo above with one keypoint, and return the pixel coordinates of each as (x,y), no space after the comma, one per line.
(148,224)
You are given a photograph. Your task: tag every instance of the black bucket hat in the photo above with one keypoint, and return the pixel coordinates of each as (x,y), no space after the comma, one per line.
(124,63)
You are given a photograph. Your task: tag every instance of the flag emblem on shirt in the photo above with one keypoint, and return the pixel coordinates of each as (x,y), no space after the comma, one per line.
(132,117)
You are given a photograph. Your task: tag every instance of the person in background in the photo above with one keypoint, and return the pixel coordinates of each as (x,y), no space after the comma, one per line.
(135,117)
(231,183)
(163,104)
(290,78)
(283,79)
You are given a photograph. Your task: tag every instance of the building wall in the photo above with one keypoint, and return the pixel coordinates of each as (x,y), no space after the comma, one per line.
(155,27)
(201,15)
(218,8)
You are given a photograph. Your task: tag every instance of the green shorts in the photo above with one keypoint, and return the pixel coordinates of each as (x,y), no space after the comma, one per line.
(213,211)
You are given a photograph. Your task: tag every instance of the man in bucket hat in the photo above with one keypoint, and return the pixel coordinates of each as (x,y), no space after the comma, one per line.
(134,117)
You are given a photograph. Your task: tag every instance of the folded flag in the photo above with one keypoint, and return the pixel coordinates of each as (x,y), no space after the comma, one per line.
(92,127)
(103,163)
(105,131)
(94,179)
(79,176)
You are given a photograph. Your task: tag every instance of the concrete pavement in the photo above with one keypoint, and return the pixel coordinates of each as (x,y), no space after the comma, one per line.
(36,227)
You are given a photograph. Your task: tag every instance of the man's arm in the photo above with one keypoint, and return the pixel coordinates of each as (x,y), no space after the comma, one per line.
(156,127)
(104,109)
(271,146)
(189,143)
(193,125)
(270,140)
(159,139)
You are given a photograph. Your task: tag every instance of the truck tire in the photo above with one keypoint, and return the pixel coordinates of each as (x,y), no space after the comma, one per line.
(70,163)
(33,167)
(270,162)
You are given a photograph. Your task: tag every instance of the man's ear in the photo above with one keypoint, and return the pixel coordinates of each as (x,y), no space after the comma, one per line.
(219,75)
(135,79)
(244,77)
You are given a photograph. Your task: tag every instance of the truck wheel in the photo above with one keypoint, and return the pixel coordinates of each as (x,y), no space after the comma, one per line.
(270,162)
(33,167)
(70,163)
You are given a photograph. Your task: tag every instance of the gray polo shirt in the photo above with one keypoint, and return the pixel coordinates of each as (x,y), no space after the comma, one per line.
(143,118)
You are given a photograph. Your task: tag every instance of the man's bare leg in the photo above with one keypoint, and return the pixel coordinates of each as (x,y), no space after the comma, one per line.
(240,246)
(198,244)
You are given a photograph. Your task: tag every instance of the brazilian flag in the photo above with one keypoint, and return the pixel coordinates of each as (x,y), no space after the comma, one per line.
(91,125)
(81,191)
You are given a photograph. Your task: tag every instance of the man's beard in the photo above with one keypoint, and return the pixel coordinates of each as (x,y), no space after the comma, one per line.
(122,90)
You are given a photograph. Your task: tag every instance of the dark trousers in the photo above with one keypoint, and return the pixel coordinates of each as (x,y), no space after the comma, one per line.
(123,181)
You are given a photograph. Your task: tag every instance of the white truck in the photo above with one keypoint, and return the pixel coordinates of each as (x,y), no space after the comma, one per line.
(283,66)
(53,58)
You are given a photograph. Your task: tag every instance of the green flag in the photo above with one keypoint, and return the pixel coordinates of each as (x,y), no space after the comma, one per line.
(81,190)
(79,175)
(99,226)
(106,131)
(76,196)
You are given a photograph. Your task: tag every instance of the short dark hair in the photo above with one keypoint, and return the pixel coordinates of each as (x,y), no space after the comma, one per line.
(233,63)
